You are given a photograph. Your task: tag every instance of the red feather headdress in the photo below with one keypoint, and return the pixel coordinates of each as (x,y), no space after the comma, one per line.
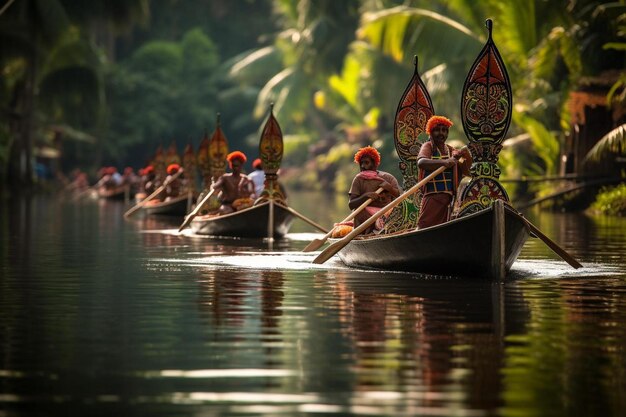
(369,151)
(236,155)
(437,120)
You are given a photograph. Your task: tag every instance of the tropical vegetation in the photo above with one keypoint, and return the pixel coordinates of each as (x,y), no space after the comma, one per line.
(113,80)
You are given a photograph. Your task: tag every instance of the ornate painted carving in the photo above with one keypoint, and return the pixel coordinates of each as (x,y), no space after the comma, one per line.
(414,110)
(189,165)
(203,161)
(159,164)
(271,154)
(486,115)
(171,157)
(218,149)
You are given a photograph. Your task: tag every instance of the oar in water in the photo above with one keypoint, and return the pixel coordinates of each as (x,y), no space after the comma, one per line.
(302,217)
(317,243)
(270,221)
(552,245)
(337,246)
(154,194)
(194,213)
(84,192)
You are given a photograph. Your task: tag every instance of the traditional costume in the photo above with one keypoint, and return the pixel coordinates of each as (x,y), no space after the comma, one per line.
(439,192)
(368,181)
(258,177)
(175,187)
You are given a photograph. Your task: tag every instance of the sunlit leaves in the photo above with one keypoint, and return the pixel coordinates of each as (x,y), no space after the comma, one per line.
(545,143)
(613,143)
(402,31)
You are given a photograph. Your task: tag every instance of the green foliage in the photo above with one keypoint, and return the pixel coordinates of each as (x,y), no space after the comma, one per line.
(545,142)
(163,92)
(613,143)
(296,150)
(611,200)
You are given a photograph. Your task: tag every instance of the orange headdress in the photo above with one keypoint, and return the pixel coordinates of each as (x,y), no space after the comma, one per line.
(236,155)
(367,151)
(437,120)
(172,169)
(257,163)
(148,170)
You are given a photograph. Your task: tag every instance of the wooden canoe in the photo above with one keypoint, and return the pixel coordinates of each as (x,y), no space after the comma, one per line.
(117,193)
(175,207)
(482,244)
(250,222)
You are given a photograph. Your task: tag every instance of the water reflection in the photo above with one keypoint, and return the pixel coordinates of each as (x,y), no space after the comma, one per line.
(106,316)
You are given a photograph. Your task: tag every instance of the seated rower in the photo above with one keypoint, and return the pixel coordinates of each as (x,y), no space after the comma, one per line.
(438,193)
(235,188)
(258,177)
(365,184)
(174,187)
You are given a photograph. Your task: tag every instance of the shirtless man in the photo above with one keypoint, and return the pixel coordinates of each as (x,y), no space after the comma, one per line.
(235,188)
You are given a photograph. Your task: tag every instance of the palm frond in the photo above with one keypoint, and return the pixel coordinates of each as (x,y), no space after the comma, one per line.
(545,143)
(406,30)
(255,66)
(613,143)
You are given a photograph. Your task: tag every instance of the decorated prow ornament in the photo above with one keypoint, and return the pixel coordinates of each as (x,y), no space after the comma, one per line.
(414,110)
(218,149)
(271,154)
(203,160)
(486,108)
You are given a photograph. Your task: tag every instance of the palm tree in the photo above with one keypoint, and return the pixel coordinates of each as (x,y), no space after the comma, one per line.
(311,46)
(547,48)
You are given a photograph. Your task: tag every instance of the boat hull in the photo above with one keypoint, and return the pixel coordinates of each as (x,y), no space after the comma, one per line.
(250,222)
(460,247)
(174,207)
(117,193)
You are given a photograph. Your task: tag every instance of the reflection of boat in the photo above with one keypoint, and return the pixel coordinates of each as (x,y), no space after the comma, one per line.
(249,222)
(177,206)
(117,193)
(482,244)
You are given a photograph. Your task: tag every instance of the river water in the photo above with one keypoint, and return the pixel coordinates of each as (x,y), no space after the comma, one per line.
(106,316)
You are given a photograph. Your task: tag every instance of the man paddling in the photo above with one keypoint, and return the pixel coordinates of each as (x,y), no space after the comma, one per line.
(365,184)
(235,187)
(438,193)
(175,187)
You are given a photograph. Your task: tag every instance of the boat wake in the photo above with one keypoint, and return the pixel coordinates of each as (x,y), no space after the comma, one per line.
(254,260)
(550,269)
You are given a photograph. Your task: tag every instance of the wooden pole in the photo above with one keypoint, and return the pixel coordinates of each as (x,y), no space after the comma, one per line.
(154,194)
(328,253)
(317,243)
(498,254)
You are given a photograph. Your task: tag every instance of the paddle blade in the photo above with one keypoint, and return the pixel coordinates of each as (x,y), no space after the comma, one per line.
(552,245)
(330,251)
(185,223)
(314,245)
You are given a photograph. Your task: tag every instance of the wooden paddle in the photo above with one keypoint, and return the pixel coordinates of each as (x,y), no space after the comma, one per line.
(154,194)
(194,213)
(552,245)
(337,246)
(302,217)
(317,243)
(270,220)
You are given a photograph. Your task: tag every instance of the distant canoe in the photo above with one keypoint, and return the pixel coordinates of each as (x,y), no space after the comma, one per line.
(117,193)
(250,222)
(175,207)
(477,245)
